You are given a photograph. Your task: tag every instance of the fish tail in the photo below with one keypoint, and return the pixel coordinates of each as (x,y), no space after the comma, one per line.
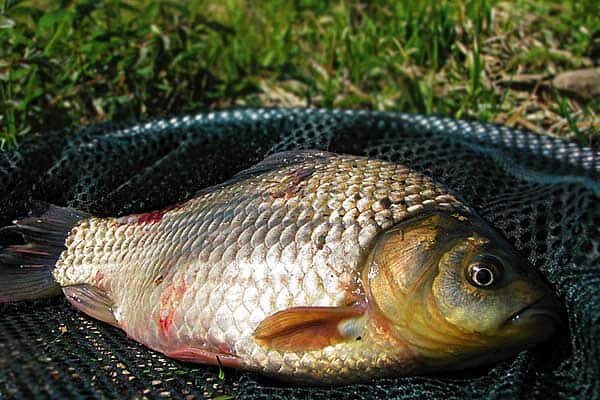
(29,250)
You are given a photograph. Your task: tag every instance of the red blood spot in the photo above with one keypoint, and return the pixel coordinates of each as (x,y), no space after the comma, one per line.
(169,301)
(286,193)
(294,185)
(150,218)
(301,175)
(276,195)
(165,323)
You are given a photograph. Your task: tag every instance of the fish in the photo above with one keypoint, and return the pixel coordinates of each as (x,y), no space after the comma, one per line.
(309,267)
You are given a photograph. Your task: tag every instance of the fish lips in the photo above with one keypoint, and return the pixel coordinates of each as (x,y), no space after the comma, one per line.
(545,311)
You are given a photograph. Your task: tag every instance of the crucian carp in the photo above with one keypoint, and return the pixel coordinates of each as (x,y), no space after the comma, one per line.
(310,267)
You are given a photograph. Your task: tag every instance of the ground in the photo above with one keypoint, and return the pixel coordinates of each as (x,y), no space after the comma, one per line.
(69,63)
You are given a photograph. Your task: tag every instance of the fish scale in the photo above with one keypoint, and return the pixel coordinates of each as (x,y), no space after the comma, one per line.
(238,253)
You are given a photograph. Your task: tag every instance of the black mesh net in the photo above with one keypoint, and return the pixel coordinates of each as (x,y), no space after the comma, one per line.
(543,193)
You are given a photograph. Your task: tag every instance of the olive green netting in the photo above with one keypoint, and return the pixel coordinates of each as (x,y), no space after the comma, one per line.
(543,193)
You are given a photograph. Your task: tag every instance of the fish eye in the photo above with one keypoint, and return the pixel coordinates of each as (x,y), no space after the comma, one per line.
(484,272)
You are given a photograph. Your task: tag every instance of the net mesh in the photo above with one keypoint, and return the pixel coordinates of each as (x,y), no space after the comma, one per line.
(543,193)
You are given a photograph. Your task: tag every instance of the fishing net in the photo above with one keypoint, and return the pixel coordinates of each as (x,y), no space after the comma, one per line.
(543,193)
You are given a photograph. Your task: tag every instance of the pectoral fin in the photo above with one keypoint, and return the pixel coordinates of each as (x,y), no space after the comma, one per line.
(306,328)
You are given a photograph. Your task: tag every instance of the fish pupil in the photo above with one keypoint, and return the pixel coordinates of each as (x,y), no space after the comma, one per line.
(483,273)
(484,277)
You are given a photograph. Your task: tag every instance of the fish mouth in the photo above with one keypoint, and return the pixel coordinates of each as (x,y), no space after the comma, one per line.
(546,308)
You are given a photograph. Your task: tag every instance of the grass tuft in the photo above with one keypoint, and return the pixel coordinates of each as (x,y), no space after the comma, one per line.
(76,62)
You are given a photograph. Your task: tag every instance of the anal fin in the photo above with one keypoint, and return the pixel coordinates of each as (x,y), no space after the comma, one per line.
(202,356)
(93,301)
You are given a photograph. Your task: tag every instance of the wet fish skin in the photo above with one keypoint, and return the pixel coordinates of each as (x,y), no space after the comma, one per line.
(310,266)
(206,274)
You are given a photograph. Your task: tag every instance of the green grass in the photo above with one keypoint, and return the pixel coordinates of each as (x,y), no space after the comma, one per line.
(76,62)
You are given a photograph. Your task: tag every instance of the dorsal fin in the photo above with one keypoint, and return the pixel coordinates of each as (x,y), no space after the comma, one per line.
(281,160)
(271,163)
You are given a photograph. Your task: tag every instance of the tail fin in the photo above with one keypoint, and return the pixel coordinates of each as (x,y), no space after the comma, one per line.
(26,268)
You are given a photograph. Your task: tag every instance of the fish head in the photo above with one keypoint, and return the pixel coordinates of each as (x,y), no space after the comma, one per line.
(456,292)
